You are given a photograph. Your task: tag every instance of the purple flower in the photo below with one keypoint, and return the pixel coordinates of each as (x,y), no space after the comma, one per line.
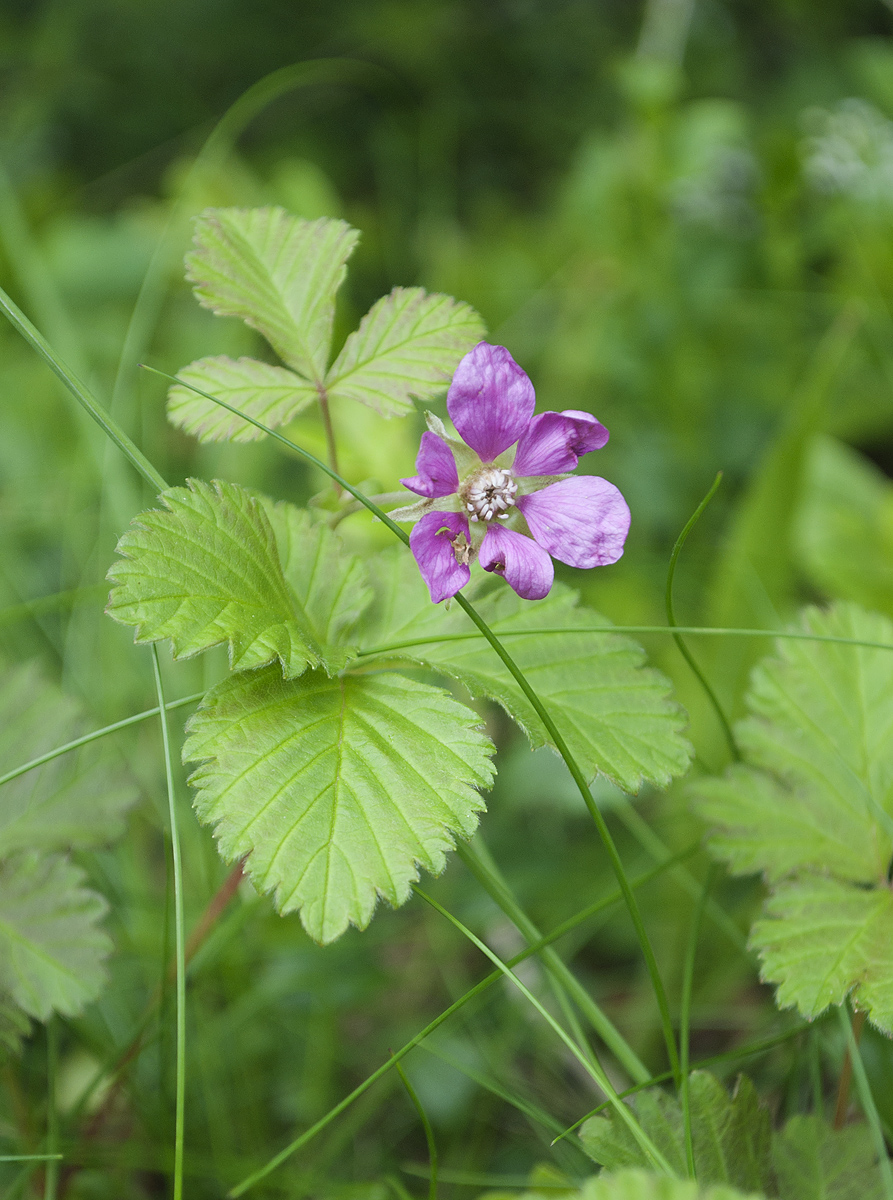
(510,510)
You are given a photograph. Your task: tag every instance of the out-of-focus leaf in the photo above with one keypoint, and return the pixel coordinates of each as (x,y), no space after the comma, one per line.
(278,273)
(51,946)
(272,395)
(408,344)
(14,1028)
(812,1161)
(844,530)
(615,714)
(77,799)
(336,789)
(642,1185)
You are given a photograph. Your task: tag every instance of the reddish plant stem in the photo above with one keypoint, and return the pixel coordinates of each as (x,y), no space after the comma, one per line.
(846,1074)
(331,448)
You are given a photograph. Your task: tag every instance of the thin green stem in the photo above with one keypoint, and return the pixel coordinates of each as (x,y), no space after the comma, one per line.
(478,860)
(96,734)
(655,1157)
(51,1175)
(671,620)
(538,707)
(179,924)
(81,393)
(426,1125)
(565,927)
(688,975)
(863,1087)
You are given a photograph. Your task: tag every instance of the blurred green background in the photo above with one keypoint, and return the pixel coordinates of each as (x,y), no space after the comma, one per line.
(678,215)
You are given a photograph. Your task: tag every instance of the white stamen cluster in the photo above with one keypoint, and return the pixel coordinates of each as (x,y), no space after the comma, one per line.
(490,494)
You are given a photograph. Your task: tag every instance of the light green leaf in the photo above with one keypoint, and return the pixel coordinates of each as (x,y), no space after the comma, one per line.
(408,344)
(208,571)
(844,527)
(77,799)
(277,272)
(731,1135)
(51,946)
(614,713)
(643,1185)
(821,939)
(271,395)
(815,1162)
(811,808)
(336,789)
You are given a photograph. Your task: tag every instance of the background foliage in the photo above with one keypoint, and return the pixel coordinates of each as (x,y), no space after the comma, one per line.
(677,216)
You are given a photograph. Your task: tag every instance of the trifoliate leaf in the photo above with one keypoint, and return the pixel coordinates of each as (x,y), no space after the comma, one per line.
(271,395)
(77,799)
(615,714)
(731,1135)
(336,789)
(51,946)
(811,808)
(408,344)
(822,938)
(812,1161)
(844,527)
(643,1185)
(277,272)
(208,571)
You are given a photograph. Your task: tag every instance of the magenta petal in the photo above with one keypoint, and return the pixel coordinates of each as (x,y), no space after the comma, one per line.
(581,521)
(552,442)
(490,400)
(437,474)
(431,542)
(526,566)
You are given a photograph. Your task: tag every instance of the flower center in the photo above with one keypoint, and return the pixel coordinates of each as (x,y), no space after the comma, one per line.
(490,493)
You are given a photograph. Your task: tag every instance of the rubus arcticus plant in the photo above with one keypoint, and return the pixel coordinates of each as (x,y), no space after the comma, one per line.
(340,753)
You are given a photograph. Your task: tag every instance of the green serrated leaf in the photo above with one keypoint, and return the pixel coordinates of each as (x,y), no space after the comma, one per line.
(271,395)
(14,1028)
(731,1135)
(643,1185)
(206,572)
(811,808)
(277,272)
(51,946)
(77,799)
(336,789)
(408,344)
(615,714)
(812,1161)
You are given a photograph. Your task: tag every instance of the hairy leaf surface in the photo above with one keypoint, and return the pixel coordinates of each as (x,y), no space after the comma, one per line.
(271,395)
(210,570)
(811,808)
(614,713)
(77,799)
(336,789)
(277,272)
(51,945)
(408,344)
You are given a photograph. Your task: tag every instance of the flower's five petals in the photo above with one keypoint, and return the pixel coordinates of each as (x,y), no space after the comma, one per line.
(437,474)
(440,544)
(490,400)
(552,442)
(524,565)
(581,521)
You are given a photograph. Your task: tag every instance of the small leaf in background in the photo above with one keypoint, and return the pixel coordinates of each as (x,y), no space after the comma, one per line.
(408,344)
(643,1185)
(51,946)
(272,395)
(14,1028)
(77,799)
(811,808)
(336,789)
(731,1135)
(812,1161)
(615,714)
(277,272)
(207,571)
(844,527)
